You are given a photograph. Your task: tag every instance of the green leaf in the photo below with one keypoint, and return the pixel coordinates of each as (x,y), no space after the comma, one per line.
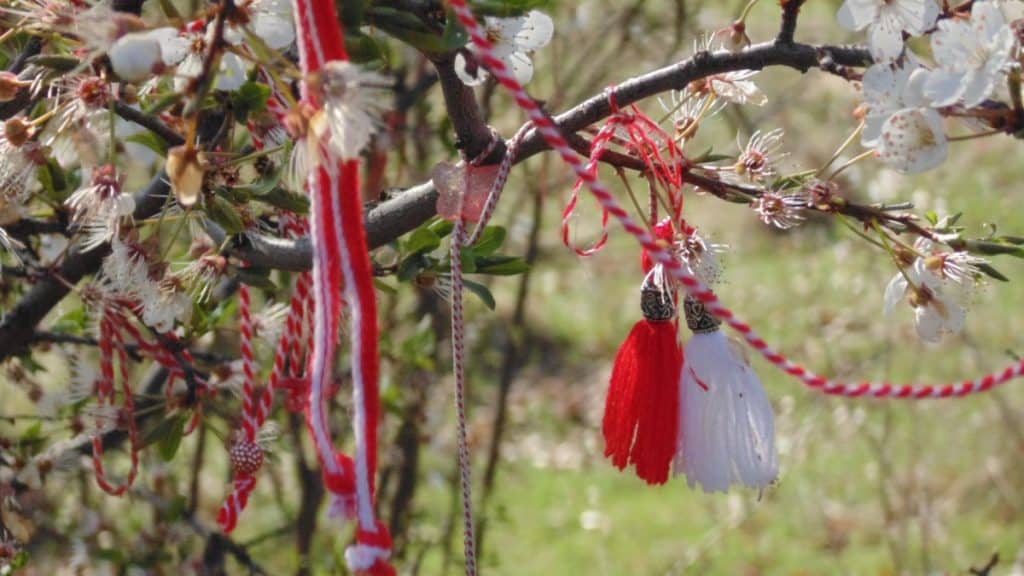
(490,240)
(506,8)
(499,265)
(991,272)
(352,12)
(33,432)
(150,140)
(363,49)
(256,277)
(422,240)
(250,98)
(384,286)
(30,364)
(261,187)
(413,31)
(710,156)
(481,292)
(442,227)
(74,321)
(993,248)
(170,440)
(412,266)
(468,257)
(164,103)
(281,198)
(223,213)
(55,62)
(169,10)
(52,179)
(932,217)
(949,221)
(159,430)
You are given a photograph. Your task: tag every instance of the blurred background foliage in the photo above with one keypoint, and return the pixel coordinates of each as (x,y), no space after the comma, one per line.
(866,487)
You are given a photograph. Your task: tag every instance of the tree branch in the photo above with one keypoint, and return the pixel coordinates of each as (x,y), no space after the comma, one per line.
(471,132)
(790,13)
(402,214)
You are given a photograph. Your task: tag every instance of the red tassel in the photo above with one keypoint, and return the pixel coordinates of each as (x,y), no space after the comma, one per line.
(641,418)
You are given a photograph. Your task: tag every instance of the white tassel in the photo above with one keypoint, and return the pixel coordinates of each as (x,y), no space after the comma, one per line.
(727,429)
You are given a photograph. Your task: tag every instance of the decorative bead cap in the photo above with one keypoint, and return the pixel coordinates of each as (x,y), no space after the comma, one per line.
(656,303)
(698,319)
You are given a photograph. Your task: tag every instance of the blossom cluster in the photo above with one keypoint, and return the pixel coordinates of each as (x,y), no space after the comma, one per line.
(905,98)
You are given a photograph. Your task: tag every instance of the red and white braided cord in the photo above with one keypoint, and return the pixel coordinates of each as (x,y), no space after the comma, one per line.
(551,133)
(341,263)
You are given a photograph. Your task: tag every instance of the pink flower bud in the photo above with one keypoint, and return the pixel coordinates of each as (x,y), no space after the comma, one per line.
(136,57)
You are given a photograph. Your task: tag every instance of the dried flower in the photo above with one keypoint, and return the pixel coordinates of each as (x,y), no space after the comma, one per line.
(780,209)
(352,106)
(99,208)
(186,173)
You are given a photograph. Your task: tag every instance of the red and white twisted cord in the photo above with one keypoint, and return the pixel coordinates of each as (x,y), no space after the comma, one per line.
(459,363)
(231,510)
(256,406)
(551,133)
(250,418)
(111,343)
(458,240)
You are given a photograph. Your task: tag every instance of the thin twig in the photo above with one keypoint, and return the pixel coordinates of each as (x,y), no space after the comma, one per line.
(986,570)
(150,122)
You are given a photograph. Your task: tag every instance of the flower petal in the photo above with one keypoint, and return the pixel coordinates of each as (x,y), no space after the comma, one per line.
(521,66)
(895,291)
(928,324)
(885,38)
(913,140)
(857,14)
(536,31)
(470,73)
(943,87)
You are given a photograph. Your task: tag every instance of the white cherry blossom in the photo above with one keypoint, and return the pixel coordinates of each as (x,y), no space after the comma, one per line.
(886,20)
(972,56)
(269,20)
(513,40)
(935,285)
(907,134)
(163,306)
